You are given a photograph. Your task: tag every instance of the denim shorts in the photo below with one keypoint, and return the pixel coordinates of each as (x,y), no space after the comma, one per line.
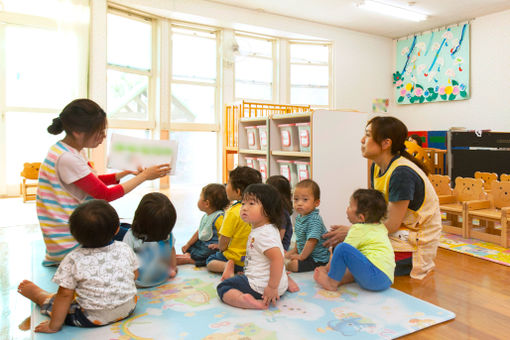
(309,265)
(75,315)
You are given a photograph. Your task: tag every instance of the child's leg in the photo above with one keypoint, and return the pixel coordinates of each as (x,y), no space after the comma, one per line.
(228,272)
(292,266)
(293,286)
(216,266)
(184,259)
(237,292)
(33,292)
(320,276)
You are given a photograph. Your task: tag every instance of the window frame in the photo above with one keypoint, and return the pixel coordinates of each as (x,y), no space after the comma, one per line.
(150,122)
(329,64)
(273,58)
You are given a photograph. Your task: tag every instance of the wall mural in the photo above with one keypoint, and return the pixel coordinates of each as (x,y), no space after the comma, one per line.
(433,66)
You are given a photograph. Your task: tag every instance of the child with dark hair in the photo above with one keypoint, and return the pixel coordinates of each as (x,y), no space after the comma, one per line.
(282,184)
(204,242)
(96,281)
(309,251)
(366,255)
(151,238)
(264,279)
(67,178)
(234,231)
(415,139)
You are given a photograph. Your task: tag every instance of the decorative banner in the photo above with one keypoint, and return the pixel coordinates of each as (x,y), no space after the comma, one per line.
(130,153)
(380,105)
(433,67)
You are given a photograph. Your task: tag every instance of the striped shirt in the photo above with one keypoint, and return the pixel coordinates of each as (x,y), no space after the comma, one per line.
(311,226)
(54,207)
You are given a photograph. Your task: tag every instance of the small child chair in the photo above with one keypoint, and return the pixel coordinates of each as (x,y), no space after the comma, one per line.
(487,177)
(417,152)
(466,189)
(29,174)
(495,210)
(441,184)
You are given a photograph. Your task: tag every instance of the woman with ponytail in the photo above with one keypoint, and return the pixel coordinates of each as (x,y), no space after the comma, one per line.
(66,178)
(414,219)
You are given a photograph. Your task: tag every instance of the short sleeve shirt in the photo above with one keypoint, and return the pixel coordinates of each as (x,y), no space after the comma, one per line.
(103,278)
(311,226)
(237,230)
(72,166)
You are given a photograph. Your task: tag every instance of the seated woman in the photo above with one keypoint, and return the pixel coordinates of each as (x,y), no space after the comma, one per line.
(414,219)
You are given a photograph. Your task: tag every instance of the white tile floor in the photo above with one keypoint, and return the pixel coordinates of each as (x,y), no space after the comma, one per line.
(19,227)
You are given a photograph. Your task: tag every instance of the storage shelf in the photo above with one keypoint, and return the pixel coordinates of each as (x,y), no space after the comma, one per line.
(231,148)
(290,153)
(253,120)
(291,116)
(253,152)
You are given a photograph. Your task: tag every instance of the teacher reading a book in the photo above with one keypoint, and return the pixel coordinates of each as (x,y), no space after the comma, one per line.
(66,177)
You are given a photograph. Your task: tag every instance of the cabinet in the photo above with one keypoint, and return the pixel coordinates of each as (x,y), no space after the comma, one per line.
(336,163)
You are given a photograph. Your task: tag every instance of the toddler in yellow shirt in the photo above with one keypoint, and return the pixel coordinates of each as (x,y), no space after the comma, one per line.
(234,232)
(366,255)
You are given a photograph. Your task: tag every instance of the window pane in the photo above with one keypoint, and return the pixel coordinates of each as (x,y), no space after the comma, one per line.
(127,95)
(129,42)
(196,159)
(309,53)
(193,104)
(254,69)
(248,90)
(41,67)
(55,9)
(309,75)
(307,95)
(18,149)
(194,58)
(251,46)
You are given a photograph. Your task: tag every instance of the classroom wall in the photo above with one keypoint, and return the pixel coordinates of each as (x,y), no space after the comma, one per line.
(489,105)
(361,61)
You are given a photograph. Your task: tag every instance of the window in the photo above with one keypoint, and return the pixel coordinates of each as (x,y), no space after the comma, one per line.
(254,68)
(309,74)
(129,68)
(194,76)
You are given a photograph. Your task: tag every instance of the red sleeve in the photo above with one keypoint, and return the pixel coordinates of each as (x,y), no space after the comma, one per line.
(97,189)
(108,179)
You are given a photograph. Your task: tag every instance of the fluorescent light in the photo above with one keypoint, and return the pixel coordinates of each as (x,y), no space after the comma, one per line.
(394,11)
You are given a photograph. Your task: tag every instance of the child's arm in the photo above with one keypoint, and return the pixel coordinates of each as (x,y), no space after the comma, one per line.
(307,249)
(282,234)
(275,274)
(291,252)
(61,305)
(192,241)
(223,242)
(173,264)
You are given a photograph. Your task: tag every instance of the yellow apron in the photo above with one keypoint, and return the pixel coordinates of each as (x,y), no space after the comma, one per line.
(421,229)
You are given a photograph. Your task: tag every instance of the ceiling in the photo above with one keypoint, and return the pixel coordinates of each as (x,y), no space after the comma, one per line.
(345,14)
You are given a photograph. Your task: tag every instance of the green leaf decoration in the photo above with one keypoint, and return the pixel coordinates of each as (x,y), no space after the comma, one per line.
(430,98)
(431,90)
(419,86)
(413,98)
(443,96)
(400,99)
(422,98)
(463,94)
(452,97)
(434,96)
(454,82)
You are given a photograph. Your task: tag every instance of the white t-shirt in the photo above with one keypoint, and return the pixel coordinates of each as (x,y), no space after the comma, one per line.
(257,265)
(103,278)
(72,166)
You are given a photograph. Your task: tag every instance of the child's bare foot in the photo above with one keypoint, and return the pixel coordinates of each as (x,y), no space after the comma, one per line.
(293,286)
(172,273)
(228,272)
(33,292)
(184,259)
(25,324)
(321,277)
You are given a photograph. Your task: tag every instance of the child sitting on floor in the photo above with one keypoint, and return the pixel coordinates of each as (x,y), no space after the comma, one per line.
(308,252)
(264,279)
(366,255)
(204,242)
(234,231)
(283,186)
(101,273)
(151,238)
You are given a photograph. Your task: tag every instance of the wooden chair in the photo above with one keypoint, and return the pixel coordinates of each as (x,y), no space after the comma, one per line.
(488,178)
(494,211)
(417,152)
(466,189)
(504,178)
(29,177)
(441,184)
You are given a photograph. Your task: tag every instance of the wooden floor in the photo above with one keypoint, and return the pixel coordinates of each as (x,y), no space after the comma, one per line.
(477,291)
